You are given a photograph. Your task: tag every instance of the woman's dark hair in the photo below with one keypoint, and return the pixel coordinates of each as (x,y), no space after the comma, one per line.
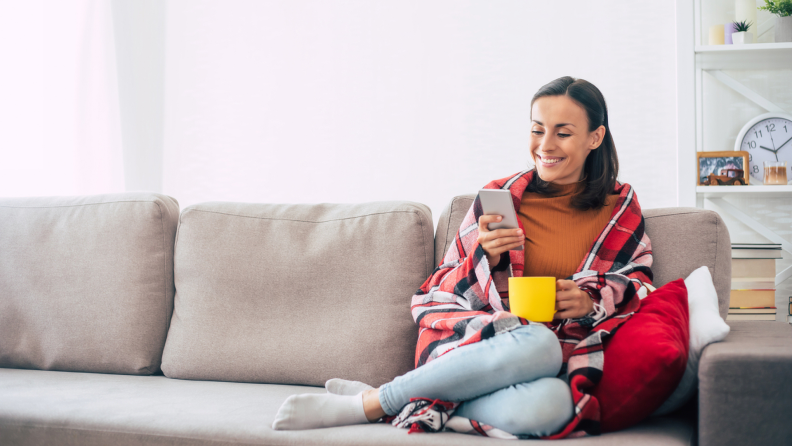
(602,164)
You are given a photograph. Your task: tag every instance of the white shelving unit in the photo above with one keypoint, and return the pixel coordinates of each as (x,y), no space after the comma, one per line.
(762,56)
(745,191)
(696,62)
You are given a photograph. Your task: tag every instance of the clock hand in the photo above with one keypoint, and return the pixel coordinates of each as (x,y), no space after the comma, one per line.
(782,145)
(771,150)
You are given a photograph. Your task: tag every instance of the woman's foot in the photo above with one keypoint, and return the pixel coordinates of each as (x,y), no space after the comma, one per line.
(339,386)
(316,410)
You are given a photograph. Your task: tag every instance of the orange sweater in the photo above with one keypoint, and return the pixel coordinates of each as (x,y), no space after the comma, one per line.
(557,236)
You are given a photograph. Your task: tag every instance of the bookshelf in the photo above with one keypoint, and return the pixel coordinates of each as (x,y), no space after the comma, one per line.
(719,88)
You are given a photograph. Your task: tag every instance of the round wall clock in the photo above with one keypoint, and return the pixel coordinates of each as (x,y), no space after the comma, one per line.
(767,137)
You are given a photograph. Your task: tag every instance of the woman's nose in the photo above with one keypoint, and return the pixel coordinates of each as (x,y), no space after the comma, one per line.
(545,145)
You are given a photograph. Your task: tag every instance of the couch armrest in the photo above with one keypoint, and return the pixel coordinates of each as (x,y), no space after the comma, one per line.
(745,386)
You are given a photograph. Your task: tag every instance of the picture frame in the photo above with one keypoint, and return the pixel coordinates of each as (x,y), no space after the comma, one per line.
(713,162)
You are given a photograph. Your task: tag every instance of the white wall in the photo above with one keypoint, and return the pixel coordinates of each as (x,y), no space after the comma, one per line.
(348,101)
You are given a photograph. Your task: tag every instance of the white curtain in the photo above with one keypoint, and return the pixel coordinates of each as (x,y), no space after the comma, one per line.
(60,128)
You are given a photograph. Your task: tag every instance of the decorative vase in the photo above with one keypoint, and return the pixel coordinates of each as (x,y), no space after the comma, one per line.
(745,10)
(728,30)
(742,37)
(783,29)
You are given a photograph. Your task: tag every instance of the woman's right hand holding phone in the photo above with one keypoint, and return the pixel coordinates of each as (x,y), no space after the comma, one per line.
(498,241)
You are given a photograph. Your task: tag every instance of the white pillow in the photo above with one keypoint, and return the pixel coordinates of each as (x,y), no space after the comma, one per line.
(706,327)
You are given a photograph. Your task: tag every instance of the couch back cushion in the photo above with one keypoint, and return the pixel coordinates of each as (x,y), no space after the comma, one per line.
(683,239)
(297,294)
(86,283)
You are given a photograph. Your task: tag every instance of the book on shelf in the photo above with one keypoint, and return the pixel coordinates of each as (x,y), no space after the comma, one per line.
(744,310)
(749,268)
(756,251)
(752,298)
(750,317)
(753,283)
(756,246)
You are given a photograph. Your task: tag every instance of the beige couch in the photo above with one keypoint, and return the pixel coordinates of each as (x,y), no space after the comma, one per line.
(123,321)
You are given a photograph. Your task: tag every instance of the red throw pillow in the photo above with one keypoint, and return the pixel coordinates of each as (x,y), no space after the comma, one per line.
(645,359)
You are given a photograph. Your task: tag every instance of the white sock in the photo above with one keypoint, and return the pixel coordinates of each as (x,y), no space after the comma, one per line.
(316,410)
(343,387)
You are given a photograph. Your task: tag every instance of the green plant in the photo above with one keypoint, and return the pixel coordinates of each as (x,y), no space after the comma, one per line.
(781,8)
(742,26)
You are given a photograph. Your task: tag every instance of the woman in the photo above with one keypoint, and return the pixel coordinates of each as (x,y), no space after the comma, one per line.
(578,224)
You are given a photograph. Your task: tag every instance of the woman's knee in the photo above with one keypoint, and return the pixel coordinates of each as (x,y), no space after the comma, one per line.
(539,345)
(541,407)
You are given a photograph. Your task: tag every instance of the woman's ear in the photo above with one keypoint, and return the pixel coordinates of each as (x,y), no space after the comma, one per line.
(597,136)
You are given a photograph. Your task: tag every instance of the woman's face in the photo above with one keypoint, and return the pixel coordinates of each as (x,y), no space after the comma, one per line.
(560,140)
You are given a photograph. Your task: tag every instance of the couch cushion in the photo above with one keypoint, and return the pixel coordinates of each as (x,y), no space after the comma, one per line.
(701,235)
(297,294)
(41,407)
(86,283)
(684,239)
(448,225)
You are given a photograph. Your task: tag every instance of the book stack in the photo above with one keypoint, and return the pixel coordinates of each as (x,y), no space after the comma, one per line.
(753,282)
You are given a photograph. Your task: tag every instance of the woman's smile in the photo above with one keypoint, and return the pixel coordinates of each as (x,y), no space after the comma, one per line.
(549,161)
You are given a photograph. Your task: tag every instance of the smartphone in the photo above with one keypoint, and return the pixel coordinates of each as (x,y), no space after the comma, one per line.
(499,202)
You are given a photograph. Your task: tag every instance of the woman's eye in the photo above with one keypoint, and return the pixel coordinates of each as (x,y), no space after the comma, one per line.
(564,135)
(537,132)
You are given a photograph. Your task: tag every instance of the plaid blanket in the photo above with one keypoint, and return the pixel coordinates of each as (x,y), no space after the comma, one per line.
(425,415)
(463,301)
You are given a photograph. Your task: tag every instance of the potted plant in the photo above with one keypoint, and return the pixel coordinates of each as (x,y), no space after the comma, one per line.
(741,34)
(783,23)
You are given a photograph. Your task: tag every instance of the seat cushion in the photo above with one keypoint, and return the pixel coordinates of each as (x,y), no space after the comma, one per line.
(43,407)
(86,283)
(297,294)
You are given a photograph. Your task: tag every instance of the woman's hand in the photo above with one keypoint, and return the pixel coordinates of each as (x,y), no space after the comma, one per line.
(498,241)
(571,301)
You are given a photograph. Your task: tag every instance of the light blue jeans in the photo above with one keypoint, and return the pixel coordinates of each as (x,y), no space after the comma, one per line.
(507,381)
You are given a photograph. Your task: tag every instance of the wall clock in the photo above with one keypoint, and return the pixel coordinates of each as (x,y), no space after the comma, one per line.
(767,137)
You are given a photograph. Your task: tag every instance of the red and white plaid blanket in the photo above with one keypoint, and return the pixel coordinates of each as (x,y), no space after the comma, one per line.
(464,302)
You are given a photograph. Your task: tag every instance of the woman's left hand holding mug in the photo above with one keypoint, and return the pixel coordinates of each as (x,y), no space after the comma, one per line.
(571,301)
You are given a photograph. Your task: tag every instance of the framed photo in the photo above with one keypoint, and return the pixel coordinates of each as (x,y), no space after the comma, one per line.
(722,168)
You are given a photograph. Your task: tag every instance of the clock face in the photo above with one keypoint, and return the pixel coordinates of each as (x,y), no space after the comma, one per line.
(770,139)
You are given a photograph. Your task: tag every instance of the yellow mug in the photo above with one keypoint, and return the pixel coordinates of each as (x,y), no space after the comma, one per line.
(533,298)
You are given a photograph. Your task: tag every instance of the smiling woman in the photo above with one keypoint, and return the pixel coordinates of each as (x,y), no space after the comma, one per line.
(486,365)
(569,122)
(560,140)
